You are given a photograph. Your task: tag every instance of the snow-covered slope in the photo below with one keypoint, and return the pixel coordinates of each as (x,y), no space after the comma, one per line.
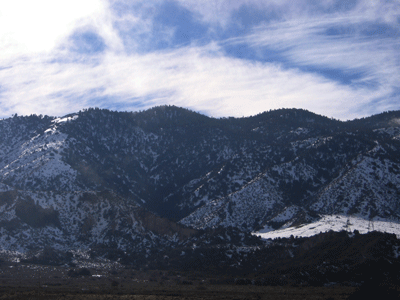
(333,223)
(369,188)
(344,174)
(255,202)
(80,220)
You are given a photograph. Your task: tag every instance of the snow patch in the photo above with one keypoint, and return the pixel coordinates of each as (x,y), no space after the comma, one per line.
(65,119)
(335,223)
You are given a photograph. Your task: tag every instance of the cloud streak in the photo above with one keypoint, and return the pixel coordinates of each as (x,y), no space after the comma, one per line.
(318,44)
(201,78)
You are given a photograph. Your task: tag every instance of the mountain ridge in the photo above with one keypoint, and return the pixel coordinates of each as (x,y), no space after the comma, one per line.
(279,168)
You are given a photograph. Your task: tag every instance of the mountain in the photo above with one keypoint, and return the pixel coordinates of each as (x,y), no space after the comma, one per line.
(167,177)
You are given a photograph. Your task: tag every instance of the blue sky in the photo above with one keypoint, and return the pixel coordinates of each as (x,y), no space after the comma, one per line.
(222,58)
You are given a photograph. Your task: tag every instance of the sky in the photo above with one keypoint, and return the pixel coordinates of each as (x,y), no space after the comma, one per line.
(222,58)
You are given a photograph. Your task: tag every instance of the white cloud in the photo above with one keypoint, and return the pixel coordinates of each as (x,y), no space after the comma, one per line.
(220,11)
(197,77)
(305,43)
(39,26)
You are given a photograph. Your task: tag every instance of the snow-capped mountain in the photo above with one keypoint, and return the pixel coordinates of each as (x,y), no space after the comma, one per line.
(99,177)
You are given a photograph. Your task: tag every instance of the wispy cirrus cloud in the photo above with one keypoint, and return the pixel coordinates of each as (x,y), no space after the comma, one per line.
(223,58)
(348,49)
(201,78)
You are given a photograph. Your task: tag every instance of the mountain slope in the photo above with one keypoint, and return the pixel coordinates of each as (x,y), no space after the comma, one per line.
(279,168)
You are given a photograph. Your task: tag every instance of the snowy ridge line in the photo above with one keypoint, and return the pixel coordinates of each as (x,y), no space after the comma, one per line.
(65,119)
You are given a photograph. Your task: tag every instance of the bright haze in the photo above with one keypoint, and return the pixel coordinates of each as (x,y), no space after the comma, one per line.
(222,58)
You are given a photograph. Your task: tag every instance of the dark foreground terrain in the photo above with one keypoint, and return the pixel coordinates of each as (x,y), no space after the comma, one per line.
(27,281)
(331,265)
(214,292)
